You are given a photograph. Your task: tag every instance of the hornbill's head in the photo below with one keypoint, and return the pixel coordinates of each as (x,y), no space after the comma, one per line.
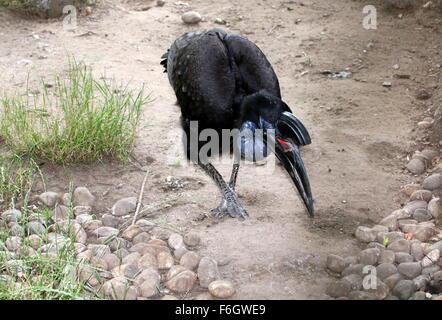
(266,123)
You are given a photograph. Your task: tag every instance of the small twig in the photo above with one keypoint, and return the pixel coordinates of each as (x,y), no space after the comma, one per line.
(140,197)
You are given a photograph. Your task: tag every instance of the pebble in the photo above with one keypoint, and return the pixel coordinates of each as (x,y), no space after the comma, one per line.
(36,227)
(413,205)
(381,291)
(61,213)
(105,232)
(34,241)
(175,241)
(131,258)
(360,295)
(141,237)
(392,280)
(178,253)
(418,296)
(387,256)
(422,215)
(390,222)
(129,271)
(435,208)
(79,210)
(401,257)
(353,269)
(369,256)
(404,289)
(431,258)
(174,270)
(365,234)
(182,282)
(417,251)
(110,221)
(424,195)
(83,197)
(336,263)
(131,232)
(208,271)
(433,182)
(386,84)
(161,3)
(83,218)
(112,260)
(410,188)
(400,245)
(146,225)
(190,260)
(220,21)
(191,17)
(410,269)
(338,288)
(221,289)
(416,166)
(12,215)
(192,239)
(384,270)
(13,243)
(423,95)
(148,281)
(421,281)
(124,206)
(17,230)
(49,198)
(430,271)
(118,289)
(148,261)
(165,261)
(99,249)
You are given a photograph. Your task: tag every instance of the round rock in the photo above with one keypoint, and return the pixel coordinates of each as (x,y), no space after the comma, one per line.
(221,289)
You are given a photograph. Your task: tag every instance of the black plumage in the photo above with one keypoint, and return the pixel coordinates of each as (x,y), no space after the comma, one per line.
(223,81)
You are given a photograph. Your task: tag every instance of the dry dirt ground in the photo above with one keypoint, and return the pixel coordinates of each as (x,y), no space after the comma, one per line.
(360,129)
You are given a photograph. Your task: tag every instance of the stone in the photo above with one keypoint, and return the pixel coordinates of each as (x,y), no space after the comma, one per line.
(36,227)
(384,270)
(79,210)
(91,226)
(144,248)
(105,232)
(131,232)
(121,253)
(129,271)
(378,228)
(390,222)
(336,263)
(174,270)
(410,188)
(175,241)
(338,288)
(417,251)
(404,289)
(416,166)
(149,282)
(83,197)
(190,260)
(131,258)
(182,282)
(401,257)
(369,256)
(12,215)
(109,220)
(435,208)
(355,281)
(160,233)
(365,234)
(387,256)
(400,245)
(381,291)
(146,225)
(392,280)
(208,271)
(116,243)
(413,205)
(431,258)
(410,270)
(119,289)
(430,271)
(422,215)
(112,261)
(361,295)
(49,199)
(99,249)
(402,214)
(424,195)
(180,252)
(148,261)
(353,269)
(192,239)
(433,182)
(83,218)
(221,289)
(142,237)
(124,206)
(394,235)
(424,233)
(13,243)
(421,281)
(34,241)
(418,296)
(165,261)
(17,230)
(191,17)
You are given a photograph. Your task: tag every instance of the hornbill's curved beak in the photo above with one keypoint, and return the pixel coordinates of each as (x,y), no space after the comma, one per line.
(290,134)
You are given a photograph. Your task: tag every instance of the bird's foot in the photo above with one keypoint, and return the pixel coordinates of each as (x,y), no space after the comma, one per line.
(231,206)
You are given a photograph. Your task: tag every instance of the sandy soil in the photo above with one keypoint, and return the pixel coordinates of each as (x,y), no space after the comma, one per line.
(360,129)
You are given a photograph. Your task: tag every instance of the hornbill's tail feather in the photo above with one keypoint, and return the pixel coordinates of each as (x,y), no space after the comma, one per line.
(164,61)
(291,126)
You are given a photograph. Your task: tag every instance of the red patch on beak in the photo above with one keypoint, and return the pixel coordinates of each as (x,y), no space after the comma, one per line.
(285,145)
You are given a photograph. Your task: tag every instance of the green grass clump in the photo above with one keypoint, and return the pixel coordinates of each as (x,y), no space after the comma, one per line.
(80,120)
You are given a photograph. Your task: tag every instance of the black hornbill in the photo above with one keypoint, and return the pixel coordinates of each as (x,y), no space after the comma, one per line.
(224,81)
